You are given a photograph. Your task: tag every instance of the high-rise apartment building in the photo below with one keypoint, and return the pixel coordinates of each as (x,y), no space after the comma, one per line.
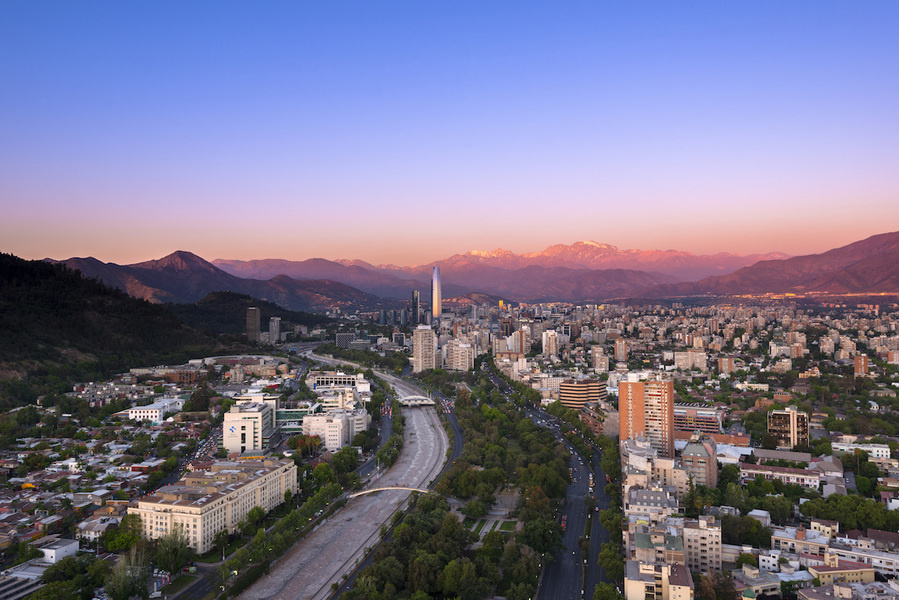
(274,330)
(459,356)
(726,365)
(702,544)
(861,365)
(646,409)
(550,343)
(700,459)
(436,295)
(254,323)
(789,427)
(621,350)
(424,349)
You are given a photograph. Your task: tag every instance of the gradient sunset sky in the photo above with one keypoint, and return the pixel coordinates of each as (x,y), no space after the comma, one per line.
(405,132)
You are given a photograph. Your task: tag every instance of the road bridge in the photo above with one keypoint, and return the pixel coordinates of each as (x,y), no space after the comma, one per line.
(412,401)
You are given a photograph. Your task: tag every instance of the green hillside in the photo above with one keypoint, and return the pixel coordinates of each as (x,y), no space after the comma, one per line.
(57,327)
(226,313)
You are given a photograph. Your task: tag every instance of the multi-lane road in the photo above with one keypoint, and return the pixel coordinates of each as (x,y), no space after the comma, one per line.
(334,548)
(572,576)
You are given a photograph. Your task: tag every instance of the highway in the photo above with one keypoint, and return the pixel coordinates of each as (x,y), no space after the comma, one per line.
(334,548)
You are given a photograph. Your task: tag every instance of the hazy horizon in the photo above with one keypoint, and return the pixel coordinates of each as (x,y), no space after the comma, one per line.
(401,133)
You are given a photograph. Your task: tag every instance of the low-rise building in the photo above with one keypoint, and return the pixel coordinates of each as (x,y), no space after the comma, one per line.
(841,571)
(155,412)
(799,540)
(657,582)
(788,475)
(204,503)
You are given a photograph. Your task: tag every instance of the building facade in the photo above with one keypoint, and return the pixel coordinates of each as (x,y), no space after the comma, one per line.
(646,408)
(789,427)
(424,349)
(204,503)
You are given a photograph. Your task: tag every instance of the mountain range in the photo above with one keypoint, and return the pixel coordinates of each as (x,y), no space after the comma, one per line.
(580,272)
(184,277)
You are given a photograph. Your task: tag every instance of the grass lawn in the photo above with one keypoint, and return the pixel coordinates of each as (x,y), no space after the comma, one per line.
(480,526)
(495,523)
(468,523)
(178,583)
(508,526)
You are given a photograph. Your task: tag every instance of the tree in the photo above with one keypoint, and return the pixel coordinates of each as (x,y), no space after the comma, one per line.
(173,550)
(130,575)
(607,591)
(345,460)
(323,474)
(747,559)
(611,560)
(124,537)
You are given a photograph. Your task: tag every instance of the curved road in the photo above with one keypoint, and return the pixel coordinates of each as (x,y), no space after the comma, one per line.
(307,571)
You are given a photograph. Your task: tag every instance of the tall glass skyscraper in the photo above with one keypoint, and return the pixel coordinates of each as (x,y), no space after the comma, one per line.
(436,295)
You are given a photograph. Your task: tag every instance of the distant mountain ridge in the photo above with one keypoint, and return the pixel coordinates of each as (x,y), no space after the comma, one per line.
(183,277)
(866,266)
(560,272)
(574,273)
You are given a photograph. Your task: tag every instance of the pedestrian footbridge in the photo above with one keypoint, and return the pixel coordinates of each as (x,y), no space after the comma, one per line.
(384,489)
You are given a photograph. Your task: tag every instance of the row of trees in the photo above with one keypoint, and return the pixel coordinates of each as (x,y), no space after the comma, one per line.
(280,537)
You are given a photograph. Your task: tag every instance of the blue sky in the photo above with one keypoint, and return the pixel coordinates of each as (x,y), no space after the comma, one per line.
(407,131)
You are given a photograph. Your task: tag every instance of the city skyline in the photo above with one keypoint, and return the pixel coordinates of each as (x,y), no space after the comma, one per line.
(133,131)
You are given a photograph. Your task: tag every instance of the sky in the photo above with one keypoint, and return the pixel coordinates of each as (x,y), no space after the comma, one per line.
(405,132)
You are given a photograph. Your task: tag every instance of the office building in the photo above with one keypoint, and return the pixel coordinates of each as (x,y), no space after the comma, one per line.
(254,323)
(416,307)
(204,503)
(436,295)
(789,427)
(575,393)
(274,330)
(424,349)
(343,340)
(646,408)
(248,427)
(336,428)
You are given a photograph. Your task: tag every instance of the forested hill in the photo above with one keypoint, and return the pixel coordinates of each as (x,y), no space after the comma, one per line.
(56,327)
(226,312)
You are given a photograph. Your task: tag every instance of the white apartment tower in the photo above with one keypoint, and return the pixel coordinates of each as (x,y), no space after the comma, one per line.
(424,349)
